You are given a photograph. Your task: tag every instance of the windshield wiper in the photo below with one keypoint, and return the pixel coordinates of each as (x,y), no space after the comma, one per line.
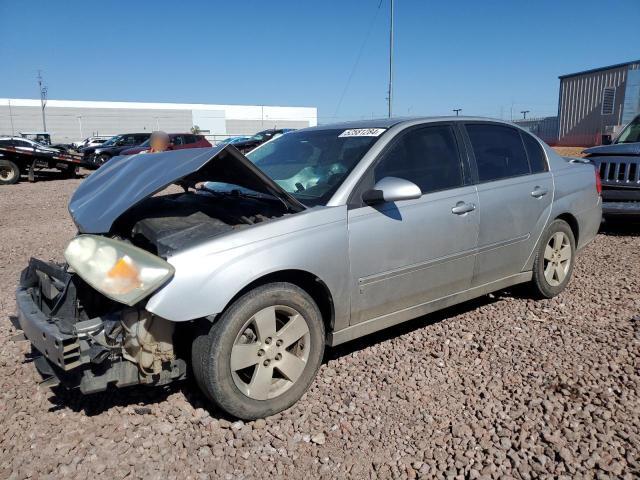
(239,193)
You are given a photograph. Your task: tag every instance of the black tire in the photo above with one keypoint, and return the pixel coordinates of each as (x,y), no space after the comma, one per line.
(9,172)
(211,352)
(71,172)
(101,160)
(548,286)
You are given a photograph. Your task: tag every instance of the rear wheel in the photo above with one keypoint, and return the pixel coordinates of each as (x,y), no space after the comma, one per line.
(263,353)
(9,172)
(554,261)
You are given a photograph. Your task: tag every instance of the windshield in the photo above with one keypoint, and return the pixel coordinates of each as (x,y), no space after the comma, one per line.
(112,140)
(311,165)
(146,143)
(631,134)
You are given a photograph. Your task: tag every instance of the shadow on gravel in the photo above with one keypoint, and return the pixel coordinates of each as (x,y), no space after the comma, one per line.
(621,228)
(141,398)
(420,322)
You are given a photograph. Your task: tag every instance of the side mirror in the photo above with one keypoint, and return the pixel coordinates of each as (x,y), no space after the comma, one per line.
(392,189)
(606,140)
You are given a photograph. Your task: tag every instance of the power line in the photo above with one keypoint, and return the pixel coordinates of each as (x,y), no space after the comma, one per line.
(360,51)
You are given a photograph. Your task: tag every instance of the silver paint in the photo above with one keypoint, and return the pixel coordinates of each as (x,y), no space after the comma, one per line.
(390,262)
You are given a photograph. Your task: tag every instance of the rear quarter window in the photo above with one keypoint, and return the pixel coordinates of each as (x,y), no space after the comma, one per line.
(499,152)
(535,153)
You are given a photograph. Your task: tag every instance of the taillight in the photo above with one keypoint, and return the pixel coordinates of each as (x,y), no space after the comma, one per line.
(598,181)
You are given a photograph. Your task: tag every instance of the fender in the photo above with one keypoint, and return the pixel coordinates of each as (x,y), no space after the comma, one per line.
(210,275)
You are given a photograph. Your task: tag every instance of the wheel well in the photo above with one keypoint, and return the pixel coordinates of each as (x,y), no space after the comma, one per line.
(311,284)
(573,223)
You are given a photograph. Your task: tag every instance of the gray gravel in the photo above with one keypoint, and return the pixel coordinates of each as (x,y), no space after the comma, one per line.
(500,387)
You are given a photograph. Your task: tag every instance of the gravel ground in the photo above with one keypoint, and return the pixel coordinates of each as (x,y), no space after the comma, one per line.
(500,387)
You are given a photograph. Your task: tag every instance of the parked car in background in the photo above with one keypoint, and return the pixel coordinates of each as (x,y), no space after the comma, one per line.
(316,238)
(619,168)
(178,142)
(97,156)
(233,140)
(26,144)
(43,138)
(260,138)
(93,141)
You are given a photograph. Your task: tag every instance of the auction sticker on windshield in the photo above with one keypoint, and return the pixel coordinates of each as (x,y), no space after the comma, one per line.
(362,132)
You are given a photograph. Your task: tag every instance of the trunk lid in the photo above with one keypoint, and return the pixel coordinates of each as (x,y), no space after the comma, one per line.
(124,182)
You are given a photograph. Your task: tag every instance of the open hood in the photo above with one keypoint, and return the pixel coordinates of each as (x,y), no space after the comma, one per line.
(614,149)
(125,181)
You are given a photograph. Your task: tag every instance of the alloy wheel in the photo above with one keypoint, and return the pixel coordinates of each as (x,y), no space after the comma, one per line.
(557,259)
(270,352)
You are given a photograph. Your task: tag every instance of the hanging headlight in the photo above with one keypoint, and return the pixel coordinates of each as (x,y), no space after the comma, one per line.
(120,271)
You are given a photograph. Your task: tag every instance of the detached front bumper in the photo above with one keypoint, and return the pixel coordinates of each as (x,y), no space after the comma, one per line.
(72,344)
(60,349)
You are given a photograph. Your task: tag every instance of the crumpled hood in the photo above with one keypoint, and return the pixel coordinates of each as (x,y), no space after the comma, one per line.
(125,181)
(615,149)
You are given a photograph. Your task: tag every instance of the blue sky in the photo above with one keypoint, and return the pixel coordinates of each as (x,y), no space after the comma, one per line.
(488,57)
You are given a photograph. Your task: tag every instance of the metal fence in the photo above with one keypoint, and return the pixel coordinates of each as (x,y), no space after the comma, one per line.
(545,128)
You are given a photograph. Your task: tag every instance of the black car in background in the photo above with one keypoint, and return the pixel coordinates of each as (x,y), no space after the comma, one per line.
(619,168)
(259,138)
(96,156)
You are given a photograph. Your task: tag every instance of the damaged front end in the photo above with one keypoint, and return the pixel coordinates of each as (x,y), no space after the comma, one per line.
(86,340)
(87,319)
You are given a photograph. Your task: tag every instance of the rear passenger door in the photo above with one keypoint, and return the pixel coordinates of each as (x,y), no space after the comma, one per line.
(515,191)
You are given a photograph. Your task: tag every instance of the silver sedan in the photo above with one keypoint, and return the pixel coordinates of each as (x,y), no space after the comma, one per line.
(315,238)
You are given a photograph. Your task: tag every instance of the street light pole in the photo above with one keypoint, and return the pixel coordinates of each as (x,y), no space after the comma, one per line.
(390,95)
(524,114)
(43,99)
(457,110)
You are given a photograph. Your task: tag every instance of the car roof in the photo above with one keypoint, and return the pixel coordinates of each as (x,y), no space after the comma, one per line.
(393,121)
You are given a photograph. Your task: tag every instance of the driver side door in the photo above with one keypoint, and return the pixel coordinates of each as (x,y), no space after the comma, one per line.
(408,253)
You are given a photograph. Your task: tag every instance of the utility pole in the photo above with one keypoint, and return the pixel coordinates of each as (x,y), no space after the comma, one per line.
(11,118)
(457,110)
(524,114)
(43,98)
(390,95)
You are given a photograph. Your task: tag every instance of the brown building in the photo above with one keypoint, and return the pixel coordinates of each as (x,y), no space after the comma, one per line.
(597,103)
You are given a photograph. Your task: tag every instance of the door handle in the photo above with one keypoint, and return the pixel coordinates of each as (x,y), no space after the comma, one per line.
(539,192)
(461,208)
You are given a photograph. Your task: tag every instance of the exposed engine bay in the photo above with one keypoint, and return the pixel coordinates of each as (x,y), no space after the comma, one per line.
(166,224)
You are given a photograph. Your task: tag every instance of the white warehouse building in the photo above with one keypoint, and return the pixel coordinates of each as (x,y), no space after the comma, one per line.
(71,120)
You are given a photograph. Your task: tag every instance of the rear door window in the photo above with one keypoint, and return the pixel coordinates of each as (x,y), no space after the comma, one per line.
(426,156)
(498,150)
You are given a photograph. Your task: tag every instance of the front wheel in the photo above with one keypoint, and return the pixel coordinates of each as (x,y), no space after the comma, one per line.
(101,160)
(262,354)
(9,172)
(554,260)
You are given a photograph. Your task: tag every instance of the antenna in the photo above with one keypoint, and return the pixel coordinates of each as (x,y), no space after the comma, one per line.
(43,98)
